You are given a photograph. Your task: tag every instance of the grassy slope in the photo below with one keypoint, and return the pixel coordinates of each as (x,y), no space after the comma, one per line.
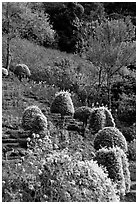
(40,60)
(17,96)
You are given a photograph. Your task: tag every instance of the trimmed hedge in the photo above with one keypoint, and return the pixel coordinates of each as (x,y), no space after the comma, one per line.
(62,104)
(110,137)
(116,163)
(33,119)
(83,113)
(99,118)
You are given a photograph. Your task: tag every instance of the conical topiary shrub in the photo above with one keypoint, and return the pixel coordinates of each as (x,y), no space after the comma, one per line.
(33,119)
(62,104)
(99,118)
(110,137)
(82,114)
(116,163)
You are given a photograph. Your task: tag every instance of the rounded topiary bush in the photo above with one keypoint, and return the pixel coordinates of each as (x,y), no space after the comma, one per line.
(33,119)
(21,71)
(110,137)
(116,163)
(99,118)
(62,104)
(82,114)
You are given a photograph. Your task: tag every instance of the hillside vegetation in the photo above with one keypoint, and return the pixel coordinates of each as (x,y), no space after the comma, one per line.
(82,59)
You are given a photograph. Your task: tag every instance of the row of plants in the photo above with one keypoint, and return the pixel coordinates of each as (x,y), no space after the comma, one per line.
(52,172)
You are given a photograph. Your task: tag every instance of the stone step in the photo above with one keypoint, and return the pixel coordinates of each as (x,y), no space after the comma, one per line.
(14,142)
(18,134)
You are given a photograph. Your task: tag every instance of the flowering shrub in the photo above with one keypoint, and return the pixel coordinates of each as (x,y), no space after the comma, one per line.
(99,118)
(116,163)
(82,113)
(55,176)
(62,104)
(33,119)
(110,137)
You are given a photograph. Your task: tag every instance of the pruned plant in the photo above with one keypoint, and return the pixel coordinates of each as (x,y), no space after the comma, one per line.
(99,118)
(110,137)
(34,120)
(62,104)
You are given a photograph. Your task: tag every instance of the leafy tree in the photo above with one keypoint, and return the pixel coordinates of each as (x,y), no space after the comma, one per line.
(9,24)
(110,48)
(93,11)
(19,19)
(65,19)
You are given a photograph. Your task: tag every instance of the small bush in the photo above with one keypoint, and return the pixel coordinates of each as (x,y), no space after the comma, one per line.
(115,161)
(110,137)
(132,150)
(82,113)
(100,118)
(62,104)
(33,119)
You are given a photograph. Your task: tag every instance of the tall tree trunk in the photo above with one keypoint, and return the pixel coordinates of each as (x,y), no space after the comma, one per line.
(99,85)
(8,58)
(109,91)
(8,54)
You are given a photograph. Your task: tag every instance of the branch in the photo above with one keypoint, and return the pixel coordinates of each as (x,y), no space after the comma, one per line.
(120,66)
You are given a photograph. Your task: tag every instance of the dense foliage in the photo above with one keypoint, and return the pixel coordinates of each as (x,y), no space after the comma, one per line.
(77,27)
(110,137)
(19,19)
(98,68)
